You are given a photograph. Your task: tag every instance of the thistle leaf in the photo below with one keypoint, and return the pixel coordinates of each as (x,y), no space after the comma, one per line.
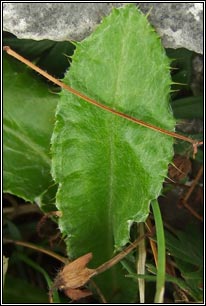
(109,169)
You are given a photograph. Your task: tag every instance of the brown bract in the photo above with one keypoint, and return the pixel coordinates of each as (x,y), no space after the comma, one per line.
(77,294)
(75,274)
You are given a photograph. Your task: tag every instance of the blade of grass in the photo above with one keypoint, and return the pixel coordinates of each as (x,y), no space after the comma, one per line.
(159,295)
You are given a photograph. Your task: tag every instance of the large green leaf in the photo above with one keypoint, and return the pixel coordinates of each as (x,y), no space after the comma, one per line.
(28,115)
(109,169)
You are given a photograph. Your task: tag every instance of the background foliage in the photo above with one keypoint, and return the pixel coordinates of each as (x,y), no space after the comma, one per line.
(24,121)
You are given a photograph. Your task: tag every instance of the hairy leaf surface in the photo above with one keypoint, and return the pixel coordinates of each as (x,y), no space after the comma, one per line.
(28,115)
(109,169)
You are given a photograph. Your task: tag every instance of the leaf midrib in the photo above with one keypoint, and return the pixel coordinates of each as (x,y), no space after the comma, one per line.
(112,123)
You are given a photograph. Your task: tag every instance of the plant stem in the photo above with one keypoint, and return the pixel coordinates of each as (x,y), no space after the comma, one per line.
(151,241)
(105,266)
(37,248)
(110,263)
(198,176)
(195,143)
(159,294)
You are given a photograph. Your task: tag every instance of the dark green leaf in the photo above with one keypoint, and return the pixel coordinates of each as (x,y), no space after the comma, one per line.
(182,67)
(28,116)
(29,48)
(18,291)
(56,60)
(188,108)
(187,250)
(187,246)
(49,55)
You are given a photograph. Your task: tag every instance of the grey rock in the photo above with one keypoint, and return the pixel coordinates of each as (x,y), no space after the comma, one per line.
(179,24)
(55,21)
(197,84)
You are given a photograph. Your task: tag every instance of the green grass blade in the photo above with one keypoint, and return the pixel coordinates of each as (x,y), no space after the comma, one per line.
(159,295)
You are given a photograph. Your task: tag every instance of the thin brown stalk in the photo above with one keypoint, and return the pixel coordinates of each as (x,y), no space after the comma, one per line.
(110,263)
(184,201)
(151,241)
(37,248)
(192,211)
(103,300)
(194,143)
(198,176)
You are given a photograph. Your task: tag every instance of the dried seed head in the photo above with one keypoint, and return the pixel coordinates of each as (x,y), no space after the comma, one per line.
(75,274)
(77,294)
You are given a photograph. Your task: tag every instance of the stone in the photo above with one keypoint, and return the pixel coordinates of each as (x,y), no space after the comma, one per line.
(197,84)
(55,21)
(178,24)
